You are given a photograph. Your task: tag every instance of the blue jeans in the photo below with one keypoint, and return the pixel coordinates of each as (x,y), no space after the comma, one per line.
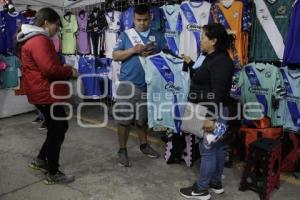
(212,164)
(212,161)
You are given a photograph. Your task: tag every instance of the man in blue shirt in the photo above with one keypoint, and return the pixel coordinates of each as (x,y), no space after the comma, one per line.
(131,103)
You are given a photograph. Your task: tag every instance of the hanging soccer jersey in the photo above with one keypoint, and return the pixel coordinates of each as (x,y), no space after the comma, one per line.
(9,78)
(96,26)
(127,19)
(270,26)
(193,16)
(156,18)
(89,79)
(291,102)
(83,46)
(69,28)
(2,33)
(13,22)
(258,83)
(29,16)
(167,91)
(170,16)
(113,19)
(231,17)
(291,51)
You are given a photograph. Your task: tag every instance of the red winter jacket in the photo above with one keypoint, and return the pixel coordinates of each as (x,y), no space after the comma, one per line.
(41,67)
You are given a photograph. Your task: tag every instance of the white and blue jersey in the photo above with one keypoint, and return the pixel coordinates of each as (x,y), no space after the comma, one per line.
(290,105)
(192,17)
(127,19)
(170,15)
(90,82)
(167,91)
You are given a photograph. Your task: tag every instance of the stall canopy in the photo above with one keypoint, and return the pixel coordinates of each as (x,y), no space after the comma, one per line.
(58,4)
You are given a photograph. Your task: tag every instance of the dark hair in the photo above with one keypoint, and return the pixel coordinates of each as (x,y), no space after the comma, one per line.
(46,14)
(217,31)
(142,9)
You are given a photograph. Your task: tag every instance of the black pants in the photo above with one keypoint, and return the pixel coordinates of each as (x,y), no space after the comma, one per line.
(95,43)
(55,135)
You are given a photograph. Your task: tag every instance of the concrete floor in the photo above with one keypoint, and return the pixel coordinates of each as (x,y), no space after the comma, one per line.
(90,154)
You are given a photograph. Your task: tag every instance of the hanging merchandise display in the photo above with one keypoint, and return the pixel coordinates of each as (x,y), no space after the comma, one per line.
(69,29)
(83,46)
(270,26)
(193,16)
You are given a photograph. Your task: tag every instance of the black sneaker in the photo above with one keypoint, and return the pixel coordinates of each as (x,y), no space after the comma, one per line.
(216,188)
(58,178)
(149,151)
(39,164)
(123,158)
(192,192)
(37,120)
(43,127)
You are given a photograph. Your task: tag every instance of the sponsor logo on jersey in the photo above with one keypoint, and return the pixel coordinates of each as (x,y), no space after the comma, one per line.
(258,90)
(203,15)
(170,87)
(193,27)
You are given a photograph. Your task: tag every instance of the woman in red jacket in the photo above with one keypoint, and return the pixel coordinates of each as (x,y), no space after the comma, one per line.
(41,67)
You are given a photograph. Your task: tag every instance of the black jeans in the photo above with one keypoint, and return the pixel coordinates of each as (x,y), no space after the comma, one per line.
(55,135)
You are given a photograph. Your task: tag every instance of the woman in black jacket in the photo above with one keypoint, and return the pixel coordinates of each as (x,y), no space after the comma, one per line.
(210,86)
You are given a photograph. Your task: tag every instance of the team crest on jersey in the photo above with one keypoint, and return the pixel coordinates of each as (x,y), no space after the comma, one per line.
(236,14)
(271,1)
(152,38)
(268,74)
(282,10)
(203,15)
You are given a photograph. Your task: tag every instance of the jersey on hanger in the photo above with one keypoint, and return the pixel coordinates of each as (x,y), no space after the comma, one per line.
(290,105)
(89,81)
(113,19)
(232,18)
(167,87)
(127,19)
(258,83)
(13,22)
(69,28)
(2,33)
(291,51)
(261,47)
(193,16)
(83,46)
(170,16)
(156,18)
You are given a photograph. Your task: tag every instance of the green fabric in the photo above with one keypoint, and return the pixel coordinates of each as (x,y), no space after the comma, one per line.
(260,46)
(68,31)
(269,78)
(9,77)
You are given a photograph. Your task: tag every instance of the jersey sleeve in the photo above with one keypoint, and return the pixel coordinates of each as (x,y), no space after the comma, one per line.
(75,25)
